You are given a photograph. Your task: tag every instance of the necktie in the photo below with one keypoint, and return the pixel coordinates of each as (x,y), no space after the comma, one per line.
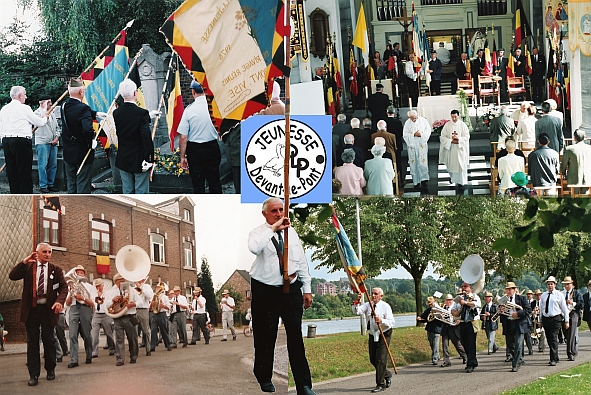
(511,299)
(548,302)
(178,308)
(567,295)
(98,307)
(280,244)
(41,284)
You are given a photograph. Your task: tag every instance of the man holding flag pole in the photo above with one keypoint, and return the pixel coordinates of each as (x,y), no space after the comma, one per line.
(378,313)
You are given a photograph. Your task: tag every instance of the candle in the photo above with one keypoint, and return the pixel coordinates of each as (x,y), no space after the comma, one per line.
(409,104)
(396,90)
(366,93)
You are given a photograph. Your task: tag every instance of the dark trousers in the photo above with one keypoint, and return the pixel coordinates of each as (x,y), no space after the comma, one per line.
(159,322)
(236,178)
(39,316)
(552,326)
(204,164)
(81,182)
(199,323)
(61,333)
(268,304)
(378,356)
(570,336)
(515,336)
(435,87)
(537,84)
(448,334)
(124,328)
(468,337)
(413,91)
(18,153)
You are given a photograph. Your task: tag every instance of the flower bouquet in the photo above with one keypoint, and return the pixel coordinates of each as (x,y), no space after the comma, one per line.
(169,163)
(487,118)
(438,125)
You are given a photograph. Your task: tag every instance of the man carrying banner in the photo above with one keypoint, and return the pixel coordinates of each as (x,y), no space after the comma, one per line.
(78,138)
(269,302)
(378,351)
(135,153)
(198,142)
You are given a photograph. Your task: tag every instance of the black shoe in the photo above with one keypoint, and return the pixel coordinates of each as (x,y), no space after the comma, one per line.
(51,375)
(52,188)
(515,368)
(307,390)
(142,345)
(149,353)
(58,359)
(224,340)
(389,382)
(95,356)
(192,344)
(267,387)
(106,348)
(133,360)
(72,365)
(378,388)
(495,350)
(464,361)
(571,358)
(552,363)
(119,363)
(88,361)
(169,348)
(417,186)
(446,364)
(207,342)
(470,369)
(44,190)
(233,337)
(66,353)
(489,353)
(174,346)
(531,352)
(508,359)
(111,353)
(33,381)
(152,349)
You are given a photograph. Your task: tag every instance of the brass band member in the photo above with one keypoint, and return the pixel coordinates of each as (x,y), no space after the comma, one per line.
(159,321)
(179,306)
(517,323)
(467,309)
(451,332)
(587,305)
(530,323)
(574,303)
(199,317)
(101,319)
(126,323)
(553,308)
(143,302)
(433,329)
(538,323)
(80,315)
(490,327)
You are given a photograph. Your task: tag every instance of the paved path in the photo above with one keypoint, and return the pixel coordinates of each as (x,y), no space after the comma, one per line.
(424,378)
(220,368)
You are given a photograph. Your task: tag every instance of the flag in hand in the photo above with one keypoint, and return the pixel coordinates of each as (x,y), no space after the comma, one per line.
(349,258)
(175,107)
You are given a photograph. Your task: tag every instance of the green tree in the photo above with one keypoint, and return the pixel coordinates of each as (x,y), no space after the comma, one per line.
(205,282)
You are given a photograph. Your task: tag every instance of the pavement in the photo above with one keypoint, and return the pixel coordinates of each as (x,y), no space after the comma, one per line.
(493,375)
(220,368)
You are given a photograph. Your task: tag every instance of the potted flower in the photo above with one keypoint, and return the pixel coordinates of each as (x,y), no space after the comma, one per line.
(438,125)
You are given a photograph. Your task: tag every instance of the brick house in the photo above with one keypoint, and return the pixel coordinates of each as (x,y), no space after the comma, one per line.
(92,229)
(239,281)
(326,289)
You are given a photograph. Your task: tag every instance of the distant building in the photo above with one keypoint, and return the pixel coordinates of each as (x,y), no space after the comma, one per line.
(239,281)
(326,289)
(89,231)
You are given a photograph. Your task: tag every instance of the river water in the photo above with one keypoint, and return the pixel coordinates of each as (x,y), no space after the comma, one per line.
(327,327)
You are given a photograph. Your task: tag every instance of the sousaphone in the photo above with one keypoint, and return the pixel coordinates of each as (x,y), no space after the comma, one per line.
(472,272)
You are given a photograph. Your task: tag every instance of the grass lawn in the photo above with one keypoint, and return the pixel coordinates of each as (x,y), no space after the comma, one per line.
(558,383)
(346,354)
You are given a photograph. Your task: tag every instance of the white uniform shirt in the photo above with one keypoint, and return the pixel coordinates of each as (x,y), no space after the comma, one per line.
(143,301)
(133,296)
(265,267)
(91,294)
(477,304)
(556,305)
(182,300)
(16,120)
(225,307)
(383,310)
(199,309)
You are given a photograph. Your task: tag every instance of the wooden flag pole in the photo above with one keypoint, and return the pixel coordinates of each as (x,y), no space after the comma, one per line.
(160,103)
(91,65)
(286,156)
(373,311)
(110,110)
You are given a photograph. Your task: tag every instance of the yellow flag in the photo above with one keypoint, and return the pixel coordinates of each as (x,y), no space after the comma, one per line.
(360,39)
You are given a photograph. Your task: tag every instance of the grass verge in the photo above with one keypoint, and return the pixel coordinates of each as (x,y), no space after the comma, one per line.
(566,382)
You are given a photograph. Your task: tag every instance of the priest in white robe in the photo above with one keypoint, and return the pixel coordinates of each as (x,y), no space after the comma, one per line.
(416,133)
(454,151)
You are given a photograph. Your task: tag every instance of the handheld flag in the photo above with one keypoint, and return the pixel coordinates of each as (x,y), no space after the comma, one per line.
(175,106)
(353,87)
(522,27)
(349,258)
(360,39)
(511,65)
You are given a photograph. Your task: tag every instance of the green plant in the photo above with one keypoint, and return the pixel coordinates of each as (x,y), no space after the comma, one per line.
(169,163)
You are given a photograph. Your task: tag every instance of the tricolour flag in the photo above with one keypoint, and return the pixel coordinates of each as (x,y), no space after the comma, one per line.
(103,264)
(232,48)
(487,59)
(522,28)
(353,87)
(528,68)
(511,64)
(349,258)
(360,39)
(175,107)
(52,202)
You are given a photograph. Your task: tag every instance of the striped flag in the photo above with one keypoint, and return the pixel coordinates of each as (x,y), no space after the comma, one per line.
(522,27)
(487,59)
(175,107)
(233,49)
(416,42)
(360,38)
(511,64)
(353,87)
(349,258)
(528,68)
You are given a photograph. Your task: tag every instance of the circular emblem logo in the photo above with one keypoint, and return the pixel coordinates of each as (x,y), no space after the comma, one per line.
(265,153)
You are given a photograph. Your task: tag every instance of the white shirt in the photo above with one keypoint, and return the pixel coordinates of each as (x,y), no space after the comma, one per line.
(16,120)
(196,122)
(556,306)
(226,307)
(199,309)
(265,267)
(477,304)
(409,70)
(182,301)
(115,291)
(143,301)
(45,265)
(383,310)
(91,294)
(570,296)
(165,301)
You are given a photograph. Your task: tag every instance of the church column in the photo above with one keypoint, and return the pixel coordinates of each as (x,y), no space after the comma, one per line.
(585,62)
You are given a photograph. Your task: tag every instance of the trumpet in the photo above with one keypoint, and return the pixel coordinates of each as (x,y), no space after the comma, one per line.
(99,299)
(155,303)
(138,285)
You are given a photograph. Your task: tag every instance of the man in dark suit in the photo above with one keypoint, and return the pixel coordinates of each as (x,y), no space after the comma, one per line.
(501,70)
(520,62)
(378,105)
(339,130)
(43,297)
(489,309)
(552,127)
(461,72)
(476,69)
(538,63)
(587,305)
(135,153)
(517,324)
(435,67)
(450,331)
(78,138)
(349,143)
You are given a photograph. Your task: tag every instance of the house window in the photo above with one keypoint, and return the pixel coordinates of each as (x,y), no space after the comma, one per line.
(51,227)
(188,254)
(157,247)
(187,215)
(101,237)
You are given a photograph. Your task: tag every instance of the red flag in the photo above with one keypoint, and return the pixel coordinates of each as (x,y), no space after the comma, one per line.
(522,27)
(354,88)
(175,107)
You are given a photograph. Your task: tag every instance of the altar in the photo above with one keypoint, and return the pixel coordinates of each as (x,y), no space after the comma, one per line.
(434,108)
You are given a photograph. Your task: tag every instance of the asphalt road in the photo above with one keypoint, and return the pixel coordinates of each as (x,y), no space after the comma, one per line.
(220,368)
(492,377)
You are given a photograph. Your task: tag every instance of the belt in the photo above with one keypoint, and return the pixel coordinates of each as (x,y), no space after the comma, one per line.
(141,308)
(22,137)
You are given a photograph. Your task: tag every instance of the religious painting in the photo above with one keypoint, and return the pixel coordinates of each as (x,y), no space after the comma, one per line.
(556,17)
(580,26)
